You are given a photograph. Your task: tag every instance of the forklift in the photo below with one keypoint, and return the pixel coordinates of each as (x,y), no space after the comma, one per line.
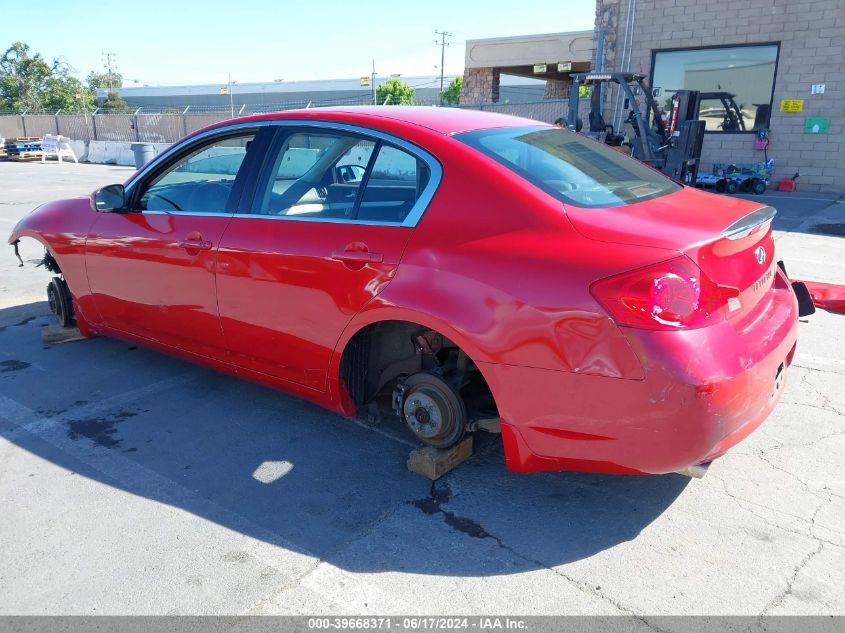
(671,144)
(732,118)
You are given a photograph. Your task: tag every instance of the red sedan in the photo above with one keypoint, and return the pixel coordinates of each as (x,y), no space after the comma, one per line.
(471,269)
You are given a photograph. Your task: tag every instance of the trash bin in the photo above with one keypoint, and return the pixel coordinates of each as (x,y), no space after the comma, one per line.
(144,153)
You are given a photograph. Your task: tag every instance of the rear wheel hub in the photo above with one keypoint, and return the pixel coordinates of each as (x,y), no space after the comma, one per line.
(433,410)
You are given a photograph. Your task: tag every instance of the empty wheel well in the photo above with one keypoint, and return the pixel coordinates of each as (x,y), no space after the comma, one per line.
(380,353)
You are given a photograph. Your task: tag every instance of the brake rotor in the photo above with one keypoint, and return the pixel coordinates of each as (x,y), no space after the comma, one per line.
(434,412)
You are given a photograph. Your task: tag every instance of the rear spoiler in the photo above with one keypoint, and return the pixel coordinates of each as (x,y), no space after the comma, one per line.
(743,227)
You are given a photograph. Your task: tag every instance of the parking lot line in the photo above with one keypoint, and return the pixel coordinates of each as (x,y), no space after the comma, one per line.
(28,421)
(133,476)
(817,261)
(811,361)
(267,546)
(351,593)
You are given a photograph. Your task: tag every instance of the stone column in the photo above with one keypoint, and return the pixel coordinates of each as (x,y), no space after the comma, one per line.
(480,85)
(556,89)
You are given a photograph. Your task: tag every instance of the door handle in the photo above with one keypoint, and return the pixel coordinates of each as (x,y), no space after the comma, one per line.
(195,245)
(358,257)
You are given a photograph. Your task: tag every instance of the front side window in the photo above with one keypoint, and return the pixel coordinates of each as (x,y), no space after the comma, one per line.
(575,169)
(200,182)
(331,175)
(736,83)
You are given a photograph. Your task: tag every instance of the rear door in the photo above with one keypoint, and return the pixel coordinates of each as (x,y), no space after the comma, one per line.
(323,235)
(152,267)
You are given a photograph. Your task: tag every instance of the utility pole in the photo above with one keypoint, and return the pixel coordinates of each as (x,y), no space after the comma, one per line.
(442,44)
(108,62)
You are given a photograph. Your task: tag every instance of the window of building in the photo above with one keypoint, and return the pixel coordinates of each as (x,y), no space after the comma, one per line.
(736,83)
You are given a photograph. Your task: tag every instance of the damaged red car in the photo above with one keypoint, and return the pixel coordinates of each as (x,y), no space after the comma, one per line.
(468,270)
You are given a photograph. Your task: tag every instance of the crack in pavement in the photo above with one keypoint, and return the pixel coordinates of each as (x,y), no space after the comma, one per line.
(826,403)
(790,583)
(744,504)
(433,505)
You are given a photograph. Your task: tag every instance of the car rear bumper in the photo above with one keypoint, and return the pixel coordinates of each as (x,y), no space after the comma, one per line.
(704,391)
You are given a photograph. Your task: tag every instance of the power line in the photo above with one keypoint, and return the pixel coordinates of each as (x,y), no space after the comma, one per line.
(442,44)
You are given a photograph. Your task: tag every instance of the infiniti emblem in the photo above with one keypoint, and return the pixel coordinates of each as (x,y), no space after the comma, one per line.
(760,254)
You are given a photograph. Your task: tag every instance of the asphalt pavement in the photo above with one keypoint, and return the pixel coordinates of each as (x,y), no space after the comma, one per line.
(135,483)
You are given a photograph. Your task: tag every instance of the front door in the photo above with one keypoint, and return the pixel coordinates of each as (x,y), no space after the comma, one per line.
(322,236)
(152,266)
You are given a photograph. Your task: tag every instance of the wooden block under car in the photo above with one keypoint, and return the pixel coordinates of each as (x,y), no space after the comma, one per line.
(435,462)
(55,334)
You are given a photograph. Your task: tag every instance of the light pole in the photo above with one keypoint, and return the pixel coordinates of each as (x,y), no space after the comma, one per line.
(373,82)
(231,98)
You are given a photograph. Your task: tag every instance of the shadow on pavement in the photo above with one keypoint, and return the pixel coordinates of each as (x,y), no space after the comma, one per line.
(283,471)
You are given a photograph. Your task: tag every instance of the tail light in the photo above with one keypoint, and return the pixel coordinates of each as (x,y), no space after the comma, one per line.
(671,295)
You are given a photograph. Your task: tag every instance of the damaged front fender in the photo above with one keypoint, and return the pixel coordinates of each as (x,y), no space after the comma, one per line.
(62,228)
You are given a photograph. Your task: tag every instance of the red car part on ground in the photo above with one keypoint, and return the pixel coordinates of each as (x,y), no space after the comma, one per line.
(829,297)
(620,322)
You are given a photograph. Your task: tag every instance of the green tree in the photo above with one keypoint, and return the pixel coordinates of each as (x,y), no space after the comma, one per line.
(96,80)
(452,94)
(24,78)
(114,103)
(395,92)
(67,94)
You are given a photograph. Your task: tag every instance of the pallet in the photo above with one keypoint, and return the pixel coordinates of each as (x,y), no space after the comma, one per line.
(25,156)
(19,148)
(23,139)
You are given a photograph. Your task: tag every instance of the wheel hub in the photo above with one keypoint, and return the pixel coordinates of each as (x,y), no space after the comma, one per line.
(432,409)
(423,414)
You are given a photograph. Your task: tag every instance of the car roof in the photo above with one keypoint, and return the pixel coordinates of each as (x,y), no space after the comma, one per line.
(447,120)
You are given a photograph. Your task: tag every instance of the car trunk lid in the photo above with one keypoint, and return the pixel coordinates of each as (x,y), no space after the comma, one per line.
(730,239)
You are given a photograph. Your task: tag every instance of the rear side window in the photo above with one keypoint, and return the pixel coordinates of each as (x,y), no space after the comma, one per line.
(334,175)
(574,169)
(393,186)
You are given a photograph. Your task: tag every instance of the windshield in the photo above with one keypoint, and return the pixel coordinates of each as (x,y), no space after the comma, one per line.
(575,169)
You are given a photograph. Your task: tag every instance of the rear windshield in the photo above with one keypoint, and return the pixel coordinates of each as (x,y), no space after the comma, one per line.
(575,169)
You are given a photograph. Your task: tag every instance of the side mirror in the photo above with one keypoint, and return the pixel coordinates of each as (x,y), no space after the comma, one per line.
(108,198)
(350,173)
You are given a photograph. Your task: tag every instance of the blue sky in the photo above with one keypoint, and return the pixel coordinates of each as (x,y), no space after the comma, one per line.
(174,42)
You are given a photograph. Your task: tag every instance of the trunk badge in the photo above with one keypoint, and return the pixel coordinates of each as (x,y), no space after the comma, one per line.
(760,254)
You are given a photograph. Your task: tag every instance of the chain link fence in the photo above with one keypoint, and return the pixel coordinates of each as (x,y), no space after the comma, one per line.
(167,125)
(547,111)
(132,128)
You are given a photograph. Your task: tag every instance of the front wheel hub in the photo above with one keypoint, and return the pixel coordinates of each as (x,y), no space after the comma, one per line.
(61,304)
